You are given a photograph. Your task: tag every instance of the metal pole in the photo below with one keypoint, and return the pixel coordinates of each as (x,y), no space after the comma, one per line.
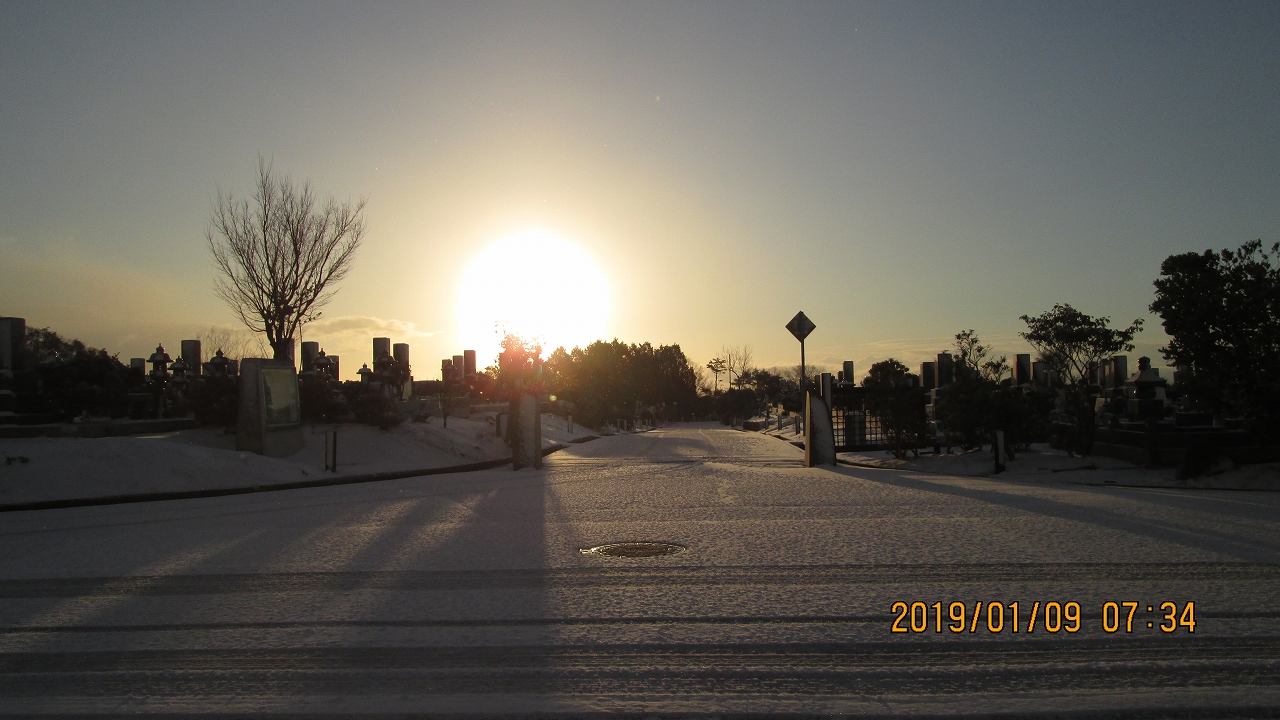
(804,377)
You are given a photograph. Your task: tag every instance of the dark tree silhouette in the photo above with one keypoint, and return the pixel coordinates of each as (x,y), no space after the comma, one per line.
(1222,313)
(1069,343)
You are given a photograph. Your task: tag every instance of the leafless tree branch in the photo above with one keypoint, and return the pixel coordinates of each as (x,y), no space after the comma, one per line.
(279,257)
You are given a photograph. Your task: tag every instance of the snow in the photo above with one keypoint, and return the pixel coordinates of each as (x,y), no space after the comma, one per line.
(1042,463)
(206,458)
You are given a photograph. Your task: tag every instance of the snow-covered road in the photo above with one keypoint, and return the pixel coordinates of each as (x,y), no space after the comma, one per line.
(470,594)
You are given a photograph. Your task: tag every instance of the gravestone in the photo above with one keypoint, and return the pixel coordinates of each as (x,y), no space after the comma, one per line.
(1119,370)
(1022,369)
(270,422)
(929,375)
(309,352)
(1039,374)
(819,436)
(946,369)
(192,357)
(13,335)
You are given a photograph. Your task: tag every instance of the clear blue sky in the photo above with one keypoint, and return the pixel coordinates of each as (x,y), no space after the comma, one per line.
(899,171)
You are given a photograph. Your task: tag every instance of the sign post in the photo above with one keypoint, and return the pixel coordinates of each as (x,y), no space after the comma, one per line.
(800,326)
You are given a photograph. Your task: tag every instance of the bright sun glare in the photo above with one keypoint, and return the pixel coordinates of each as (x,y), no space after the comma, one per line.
(536,285)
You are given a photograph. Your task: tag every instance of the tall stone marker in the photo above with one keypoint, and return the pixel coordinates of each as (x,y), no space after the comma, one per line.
(819,436)
(13,339)
(270,421)
(192,356)
(526,432)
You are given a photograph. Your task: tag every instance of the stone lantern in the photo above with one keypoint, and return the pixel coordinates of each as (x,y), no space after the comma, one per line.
(366,375)
(322,363)
(179,370)
(219,366)
(159,364)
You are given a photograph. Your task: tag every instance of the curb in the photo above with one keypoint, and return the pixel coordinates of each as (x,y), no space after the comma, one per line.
(298,485)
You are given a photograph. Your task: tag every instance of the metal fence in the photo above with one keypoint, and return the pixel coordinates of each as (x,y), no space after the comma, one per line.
(856,426)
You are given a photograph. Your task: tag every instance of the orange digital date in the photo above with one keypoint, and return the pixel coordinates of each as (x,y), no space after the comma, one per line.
(1051,617)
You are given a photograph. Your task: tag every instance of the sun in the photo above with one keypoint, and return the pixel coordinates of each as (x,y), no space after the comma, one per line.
(536,285)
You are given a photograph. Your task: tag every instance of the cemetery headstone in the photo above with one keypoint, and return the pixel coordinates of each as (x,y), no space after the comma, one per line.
(946,369)
(1120,369)
(929,375)
(309,352)
(13,334)
(1022,369)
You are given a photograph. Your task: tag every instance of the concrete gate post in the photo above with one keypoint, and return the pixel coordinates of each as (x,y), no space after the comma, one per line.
(819,436)
(526,428)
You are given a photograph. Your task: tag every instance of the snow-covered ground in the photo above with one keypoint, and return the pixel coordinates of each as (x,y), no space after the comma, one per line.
(1042,463)
(206,458)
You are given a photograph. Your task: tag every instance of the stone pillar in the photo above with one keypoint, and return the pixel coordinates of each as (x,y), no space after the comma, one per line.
(191,356)
(929,375)
(946,369)
(469,363)
(1022,369)
(13,339)
(309,352)
(526,445)
(819,436)
(1120,369)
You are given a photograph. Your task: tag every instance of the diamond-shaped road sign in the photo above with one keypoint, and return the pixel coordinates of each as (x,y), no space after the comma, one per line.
(801,326)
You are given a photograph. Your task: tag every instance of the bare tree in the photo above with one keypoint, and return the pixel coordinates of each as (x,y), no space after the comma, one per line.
(737,362)
(235,344)
(281,255)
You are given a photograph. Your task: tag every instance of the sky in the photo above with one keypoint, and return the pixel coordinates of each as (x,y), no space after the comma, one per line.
(898,171)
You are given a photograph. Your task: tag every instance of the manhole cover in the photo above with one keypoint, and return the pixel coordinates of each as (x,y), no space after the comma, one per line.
(635,549)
